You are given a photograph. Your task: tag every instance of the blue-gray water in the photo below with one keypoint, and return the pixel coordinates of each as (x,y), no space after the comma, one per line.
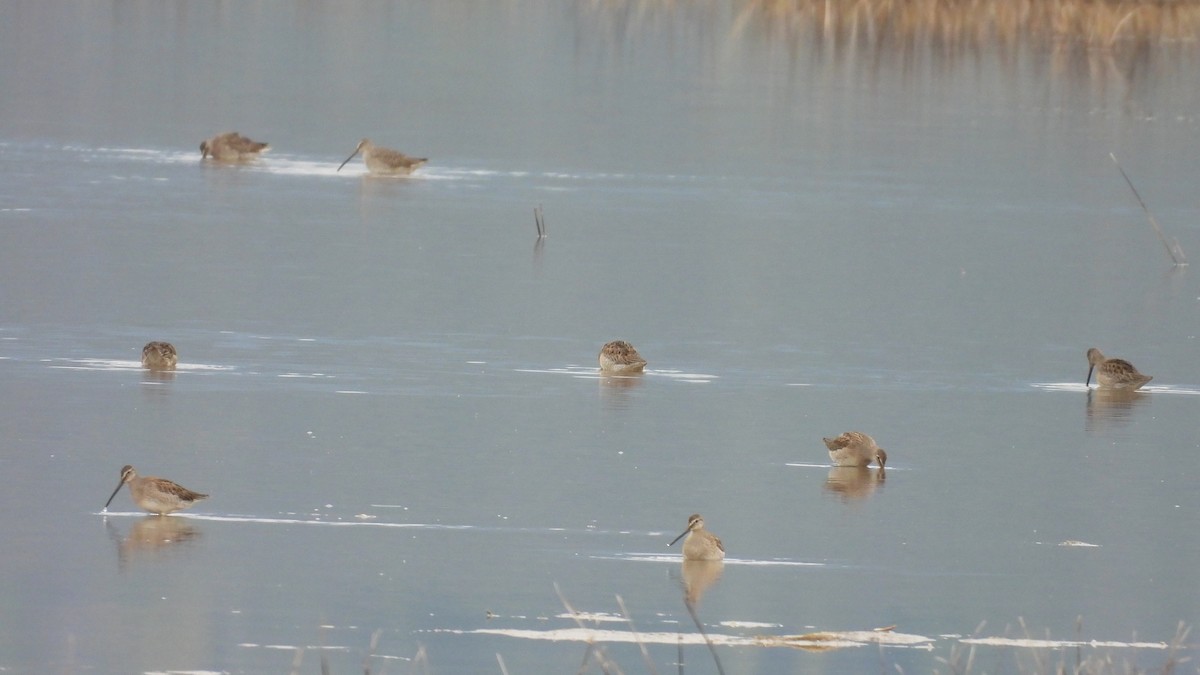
(389,388)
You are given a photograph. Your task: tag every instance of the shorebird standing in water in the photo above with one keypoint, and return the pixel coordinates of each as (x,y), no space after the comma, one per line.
(854,448)
(382,161)
(156,495)
(619,356)
(231,147)
(700,543)
(1113,373)
(159,356)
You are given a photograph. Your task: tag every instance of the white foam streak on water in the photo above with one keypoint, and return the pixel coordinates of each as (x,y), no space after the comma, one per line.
(820,640)
(297,165)
(183,672)
(295,521)
(368,520)
(1148,389)
(335,648)
(808,465)
(1060,644)
(676,559)
(120,364)
(591,373)
(597,617)
(592,635)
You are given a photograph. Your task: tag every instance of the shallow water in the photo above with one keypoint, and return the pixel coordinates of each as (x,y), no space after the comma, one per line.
(388,386)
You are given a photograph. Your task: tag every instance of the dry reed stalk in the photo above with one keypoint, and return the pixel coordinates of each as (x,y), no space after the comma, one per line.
(640,644)
(691,608)
(1174,250)
(602,659)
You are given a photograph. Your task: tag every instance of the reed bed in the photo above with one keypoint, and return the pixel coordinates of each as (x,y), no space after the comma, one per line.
(1095,24)
(1097,41)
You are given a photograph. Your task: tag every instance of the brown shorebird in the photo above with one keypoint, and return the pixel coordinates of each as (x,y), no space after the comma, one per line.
(382,161)
(1113,373)
(854,448)
(700,543)
(156,495)
(619,356)
(231,147)
(159,356)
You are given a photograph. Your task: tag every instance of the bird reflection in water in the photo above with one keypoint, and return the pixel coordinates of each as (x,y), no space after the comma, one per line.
(156,376)
(852,483)
(620,382)
(697,576)
(616,391)
(150,537)
(1111,406)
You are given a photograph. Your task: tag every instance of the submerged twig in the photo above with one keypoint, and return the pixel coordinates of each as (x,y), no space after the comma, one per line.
(601,659)
(374,644)
(297,660)
(539,221)
(420,659)
(1173,248)
(691,608)
(324,656)
(640,644)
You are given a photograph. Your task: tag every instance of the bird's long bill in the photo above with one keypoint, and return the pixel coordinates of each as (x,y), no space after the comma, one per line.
(114,494)
(679,537)
(1088,381)
(349,158)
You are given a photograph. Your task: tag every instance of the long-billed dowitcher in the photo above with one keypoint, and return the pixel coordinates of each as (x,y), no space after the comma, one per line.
(156,495)
(384,161)
(159,356)
(854,448)
(1113,373)
(619,356)
(231,147)
(700,543)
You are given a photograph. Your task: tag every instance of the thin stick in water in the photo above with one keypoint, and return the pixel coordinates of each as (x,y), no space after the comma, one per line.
(297,660)
(691,608)
(371,651)
(539,221)
(640,644)
(601,659)
(1173,248)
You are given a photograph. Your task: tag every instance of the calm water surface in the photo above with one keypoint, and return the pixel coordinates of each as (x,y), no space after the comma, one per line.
(388,386)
